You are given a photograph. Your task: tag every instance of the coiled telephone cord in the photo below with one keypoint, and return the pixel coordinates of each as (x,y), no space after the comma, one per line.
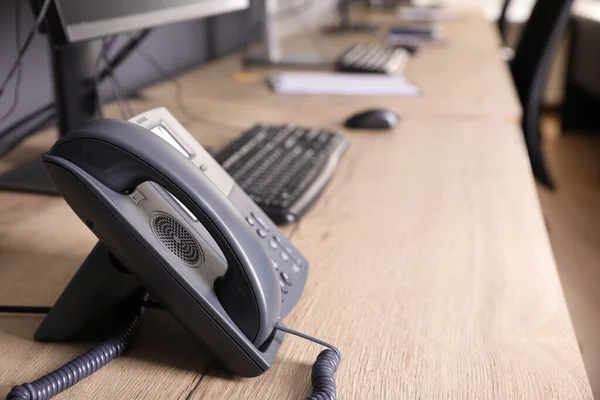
(48,386)
(323,370)
(80,368)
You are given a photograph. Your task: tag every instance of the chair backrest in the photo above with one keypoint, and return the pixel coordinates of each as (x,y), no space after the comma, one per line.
(537,46)
(502,20)
(530,66)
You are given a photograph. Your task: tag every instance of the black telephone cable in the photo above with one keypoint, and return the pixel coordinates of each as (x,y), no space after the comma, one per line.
(323,370)
(48,386)
(80,368)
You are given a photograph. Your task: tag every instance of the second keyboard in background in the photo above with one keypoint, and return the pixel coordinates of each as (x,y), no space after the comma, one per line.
(283,168)
(373,58)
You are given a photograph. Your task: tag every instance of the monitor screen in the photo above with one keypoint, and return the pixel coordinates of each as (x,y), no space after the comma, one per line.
(83,20)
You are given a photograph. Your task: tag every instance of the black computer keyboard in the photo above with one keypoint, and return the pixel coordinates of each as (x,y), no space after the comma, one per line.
(283,168)
(373,58)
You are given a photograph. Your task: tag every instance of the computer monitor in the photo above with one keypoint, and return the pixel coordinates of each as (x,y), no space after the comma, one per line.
(272,54)
(345,23)
(100,18)
(71,26)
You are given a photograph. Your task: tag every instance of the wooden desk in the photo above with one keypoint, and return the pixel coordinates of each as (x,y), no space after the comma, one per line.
(463,79)
(431,269)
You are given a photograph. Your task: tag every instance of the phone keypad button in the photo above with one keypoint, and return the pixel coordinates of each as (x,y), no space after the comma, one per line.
(251,221)
(290,252)
(284,287)
(275,264)
(286,278)
(261,222)
(261,233)
(273,244)
(284,256)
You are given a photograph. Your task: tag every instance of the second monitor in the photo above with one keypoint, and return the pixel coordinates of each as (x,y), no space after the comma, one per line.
(72,26)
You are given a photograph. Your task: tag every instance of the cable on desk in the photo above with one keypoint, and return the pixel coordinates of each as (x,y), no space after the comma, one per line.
(46,310)
(18,80)
(28,40)
(24,310)
(124,108)
(106,44)
(323,370)
(80,368)
(181,105)
(117,89)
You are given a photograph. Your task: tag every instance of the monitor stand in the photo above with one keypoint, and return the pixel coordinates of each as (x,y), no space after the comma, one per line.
(293,61)
(350,28)
(272,55)
(73,67)
(387,5)
(346,25)
(29,177)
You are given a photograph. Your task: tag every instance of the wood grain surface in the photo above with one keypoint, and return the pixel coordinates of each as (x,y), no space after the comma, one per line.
(431,268)
(432,271)
(463,79)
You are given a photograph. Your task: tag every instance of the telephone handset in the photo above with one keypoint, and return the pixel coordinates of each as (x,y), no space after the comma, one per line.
(289,264)
(166,212)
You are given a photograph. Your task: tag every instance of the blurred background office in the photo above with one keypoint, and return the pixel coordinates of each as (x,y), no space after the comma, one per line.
(570,123)
(202,40)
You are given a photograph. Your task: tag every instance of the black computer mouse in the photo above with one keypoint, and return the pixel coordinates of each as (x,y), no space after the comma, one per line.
(373,119)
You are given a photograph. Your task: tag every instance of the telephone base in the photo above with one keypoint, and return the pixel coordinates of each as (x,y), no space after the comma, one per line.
(98,286)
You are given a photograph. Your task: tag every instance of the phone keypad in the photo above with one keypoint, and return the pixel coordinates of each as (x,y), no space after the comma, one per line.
(287,265)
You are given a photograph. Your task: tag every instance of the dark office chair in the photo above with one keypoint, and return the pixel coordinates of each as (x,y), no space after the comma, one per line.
(530,66)
(502,20)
